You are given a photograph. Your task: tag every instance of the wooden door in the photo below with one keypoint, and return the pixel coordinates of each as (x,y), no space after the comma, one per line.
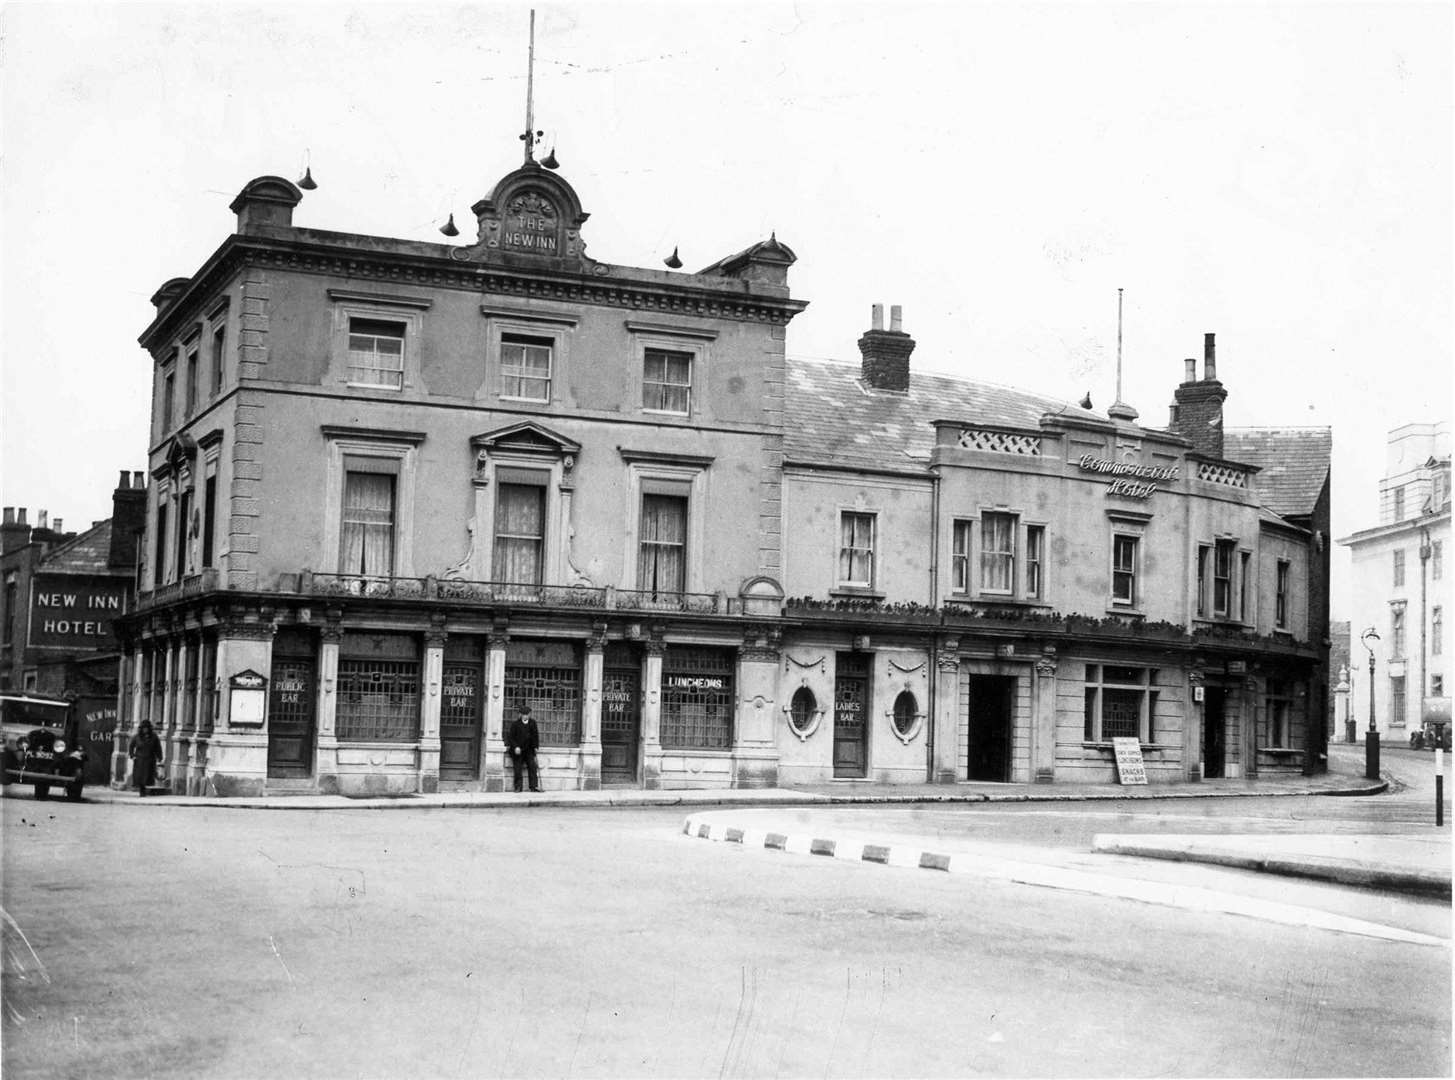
(851,713)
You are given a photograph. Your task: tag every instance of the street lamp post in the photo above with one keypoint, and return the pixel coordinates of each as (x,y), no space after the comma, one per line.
(1371,737)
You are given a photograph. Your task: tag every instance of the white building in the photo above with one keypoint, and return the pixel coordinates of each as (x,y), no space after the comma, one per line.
(1399,585)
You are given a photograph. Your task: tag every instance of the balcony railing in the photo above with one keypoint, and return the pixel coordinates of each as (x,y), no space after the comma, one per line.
(457,591)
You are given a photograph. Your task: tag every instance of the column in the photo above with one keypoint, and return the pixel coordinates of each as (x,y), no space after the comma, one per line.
(1192,726)
(326,749)
(429,733)
(493,771)
(171,737)
(652,714)
(591,709)
(947,713)
(1043,718)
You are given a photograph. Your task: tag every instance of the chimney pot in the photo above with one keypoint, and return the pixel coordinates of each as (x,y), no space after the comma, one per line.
(125,481)
(1209,358)
(896,318)
(1190,370)
(876,317)
(137,481)
(58,526)
(10,515)
(20,519)
(42,519)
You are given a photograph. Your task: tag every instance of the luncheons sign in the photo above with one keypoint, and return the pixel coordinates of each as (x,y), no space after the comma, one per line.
(1129,478)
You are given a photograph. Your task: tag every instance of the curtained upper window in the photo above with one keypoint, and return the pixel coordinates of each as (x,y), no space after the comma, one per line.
(367,524)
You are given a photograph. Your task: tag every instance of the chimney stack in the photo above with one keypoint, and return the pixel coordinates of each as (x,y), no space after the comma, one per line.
(886,352)
(1197,405)
(14,532)
(128,519)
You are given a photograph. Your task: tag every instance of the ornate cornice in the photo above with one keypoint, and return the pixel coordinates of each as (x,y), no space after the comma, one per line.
(423,269)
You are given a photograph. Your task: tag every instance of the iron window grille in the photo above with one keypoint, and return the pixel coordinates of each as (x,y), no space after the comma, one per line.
(378,700)
(697,699)
(906,712)
(1396,700)
(802,709)
(553,694)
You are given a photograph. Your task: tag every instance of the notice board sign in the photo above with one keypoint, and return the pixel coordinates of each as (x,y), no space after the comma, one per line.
(1130,769)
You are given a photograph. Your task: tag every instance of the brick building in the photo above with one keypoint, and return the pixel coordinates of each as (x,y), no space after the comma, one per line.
(402,487)
(63,594)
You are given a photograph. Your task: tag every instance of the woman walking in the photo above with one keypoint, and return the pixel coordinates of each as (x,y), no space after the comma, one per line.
(146,756)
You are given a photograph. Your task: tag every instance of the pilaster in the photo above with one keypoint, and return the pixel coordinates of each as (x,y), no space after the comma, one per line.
(946,768)
(1043,718)
(654,649)
(493,767)
(591,710)
(429,734)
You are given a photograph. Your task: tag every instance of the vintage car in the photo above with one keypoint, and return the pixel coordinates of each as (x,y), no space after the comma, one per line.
(42,744)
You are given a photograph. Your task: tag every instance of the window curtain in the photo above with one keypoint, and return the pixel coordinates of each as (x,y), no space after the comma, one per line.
(856,550)
(519,533)
(663,544)
(997,552)
(368,524)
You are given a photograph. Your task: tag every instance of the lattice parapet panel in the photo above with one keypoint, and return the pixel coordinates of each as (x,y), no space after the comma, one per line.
(1222,474)
(1000,442)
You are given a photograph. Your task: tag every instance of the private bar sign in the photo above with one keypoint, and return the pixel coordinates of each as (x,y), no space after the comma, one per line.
(1145,476)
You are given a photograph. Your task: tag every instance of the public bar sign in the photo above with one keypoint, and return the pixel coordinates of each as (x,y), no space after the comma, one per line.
(1130,767)
(1129,478)
(76,611)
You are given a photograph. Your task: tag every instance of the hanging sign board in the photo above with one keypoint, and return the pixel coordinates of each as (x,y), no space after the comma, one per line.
(1130,768)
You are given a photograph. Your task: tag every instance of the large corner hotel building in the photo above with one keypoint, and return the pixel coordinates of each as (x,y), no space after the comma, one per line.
(401,487)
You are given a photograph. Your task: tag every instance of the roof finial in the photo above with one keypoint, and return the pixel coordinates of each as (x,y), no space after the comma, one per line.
(1119,409)
(531,134)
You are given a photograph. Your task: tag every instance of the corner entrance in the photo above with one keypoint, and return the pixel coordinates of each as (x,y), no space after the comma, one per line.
(292,694)
(1214,732)
(621,715)
(990,711)
(851,706)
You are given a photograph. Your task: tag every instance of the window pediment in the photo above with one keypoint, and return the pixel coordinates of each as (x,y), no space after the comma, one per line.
(526,437)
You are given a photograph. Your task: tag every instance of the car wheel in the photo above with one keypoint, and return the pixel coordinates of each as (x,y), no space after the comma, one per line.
(73,792)
(42,791)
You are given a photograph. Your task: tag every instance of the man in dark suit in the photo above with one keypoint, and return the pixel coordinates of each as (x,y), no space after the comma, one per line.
(522,741)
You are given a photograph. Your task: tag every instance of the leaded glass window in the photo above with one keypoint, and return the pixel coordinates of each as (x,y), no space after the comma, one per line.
(697,698)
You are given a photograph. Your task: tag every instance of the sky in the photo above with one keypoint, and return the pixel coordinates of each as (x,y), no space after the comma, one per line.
(1279,174)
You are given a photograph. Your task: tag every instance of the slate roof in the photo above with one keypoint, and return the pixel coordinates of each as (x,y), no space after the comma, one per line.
(833,419)
(1294,464)
(86,554)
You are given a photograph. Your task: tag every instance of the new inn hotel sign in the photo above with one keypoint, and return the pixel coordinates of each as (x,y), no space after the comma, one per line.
(72,611)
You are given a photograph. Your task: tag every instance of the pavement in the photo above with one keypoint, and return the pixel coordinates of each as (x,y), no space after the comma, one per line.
(1418,863)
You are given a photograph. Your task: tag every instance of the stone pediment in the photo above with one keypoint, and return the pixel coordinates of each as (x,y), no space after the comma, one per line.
(532,216)
(526,437)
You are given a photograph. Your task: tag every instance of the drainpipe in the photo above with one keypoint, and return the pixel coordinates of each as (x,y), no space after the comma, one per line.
(934,637)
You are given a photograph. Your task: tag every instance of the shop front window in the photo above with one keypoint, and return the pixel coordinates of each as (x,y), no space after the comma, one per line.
(697,698)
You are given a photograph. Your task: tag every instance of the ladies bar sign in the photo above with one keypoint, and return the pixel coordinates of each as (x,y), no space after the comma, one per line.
(1130,478)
